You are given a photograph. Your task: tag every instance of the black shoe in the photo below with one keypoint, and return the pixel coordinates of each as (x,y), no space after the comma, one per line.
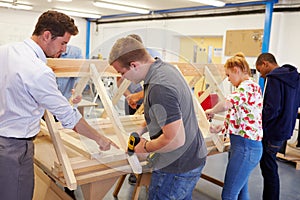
(282,160)
(132,179)
(70,193)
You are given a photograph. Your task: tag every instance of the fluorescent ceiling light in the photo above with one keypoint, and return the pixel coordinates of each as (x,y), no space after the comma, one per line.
(61,0)
(121,7)
(16,6)
(210,2)
(79,14)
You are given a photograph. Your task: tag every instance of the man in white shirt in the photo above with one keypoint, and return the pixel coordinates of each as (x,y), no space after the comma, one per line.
(27,88)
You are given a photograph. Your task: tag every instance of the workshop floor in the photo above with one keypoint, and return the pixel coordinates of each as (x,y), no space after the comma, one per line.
(215,166)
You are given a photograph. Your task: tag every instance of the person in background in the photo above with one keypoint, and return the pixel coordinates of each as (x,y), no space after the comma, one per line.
(66,84)
(243,123)
(28,87)
(280,107)
(175,136)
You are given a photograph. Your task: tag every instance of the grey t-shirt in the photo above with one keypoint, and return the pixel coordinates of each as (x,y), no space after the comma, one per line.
(168,98)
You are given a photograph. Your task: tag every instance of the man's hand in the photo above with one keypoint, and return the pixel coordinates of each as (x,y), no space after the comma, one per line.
(139,148)
(105,143)
(83,128)
(133,98)
(77,99)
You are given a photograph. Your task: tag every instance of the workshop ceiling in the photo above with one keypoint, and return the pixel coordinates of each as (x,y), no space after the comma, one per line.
(156,7)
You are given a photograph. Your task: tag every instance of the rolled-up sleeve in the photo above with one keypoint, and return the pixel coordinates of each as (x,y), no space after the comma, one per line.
(44,90)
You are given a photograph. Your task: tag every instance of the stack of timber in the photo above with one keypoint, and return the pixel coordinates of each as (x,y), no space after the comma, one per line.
(292,154)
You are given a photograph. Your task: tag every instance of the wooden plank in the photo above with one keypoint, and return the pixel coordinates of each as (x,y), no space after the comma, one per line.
(292,154)
(75,144)
(213,82)
(104,123)
(89,166)
(205,94)
(60,151)
(98,189)
(46,189)
(212,180)
(214,86)
(79,67)
(119,185)
(81,84)
(142,180)
(122,88)
(140,110)
(194,80)
(189,69)
(203,122)
(116,97)
(111,112)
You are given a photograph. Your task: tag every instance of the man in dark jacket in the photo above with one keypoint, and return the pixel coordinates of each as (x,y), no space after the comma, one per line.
(280,108)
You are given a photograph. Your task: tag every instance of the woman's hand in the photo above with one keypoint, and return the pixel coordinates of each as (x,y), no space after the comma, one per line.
(215,128)
(209,114)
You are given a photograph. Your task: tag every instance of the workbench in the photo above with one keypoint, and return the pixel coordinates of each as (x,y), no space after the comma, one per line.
(66,157)
(96,173)
(95,176)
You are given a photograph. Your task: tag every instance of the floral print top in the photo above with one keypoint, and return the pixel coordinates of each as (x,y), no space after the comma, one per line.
(245,117)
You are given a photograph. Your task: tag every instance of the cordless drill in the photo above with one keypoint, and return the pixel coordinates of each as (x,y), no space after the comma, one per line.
(134,139)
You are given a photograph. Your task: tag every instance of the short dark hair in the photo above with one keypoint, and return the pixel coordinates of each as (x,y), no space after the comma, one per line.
(266,57)
(55,22)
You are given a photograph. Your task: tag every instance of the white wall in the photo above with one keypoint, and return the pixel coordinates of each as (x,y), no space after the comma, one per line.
(284,39)
(164,34)
(18,25)
(210,26)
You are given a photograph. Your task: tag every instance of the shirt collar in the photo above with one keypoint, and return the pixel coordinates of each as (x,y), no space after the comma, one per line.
(37,49)
(152,69)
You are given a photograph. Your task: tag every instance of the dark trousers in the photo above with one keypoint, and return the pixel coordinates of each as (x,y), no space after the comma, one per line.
(269,169)
(132,111)
(16,169)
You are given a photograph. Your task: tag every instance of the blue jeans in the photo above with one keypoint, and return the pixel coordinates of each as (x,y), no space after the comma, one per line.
(173,186)
(269,169)
(244,155)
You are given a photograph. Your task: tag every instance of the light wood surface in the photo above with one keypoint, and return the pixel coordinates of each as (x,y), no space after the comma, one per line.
(68,160)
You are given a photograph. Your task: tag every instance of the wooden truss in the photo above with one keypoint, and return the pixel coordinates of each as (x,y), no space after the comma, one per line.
(60,152)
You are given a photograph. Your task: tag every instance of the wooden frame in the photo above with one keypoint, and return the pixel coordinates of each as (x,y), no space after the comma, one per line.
(68,162)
